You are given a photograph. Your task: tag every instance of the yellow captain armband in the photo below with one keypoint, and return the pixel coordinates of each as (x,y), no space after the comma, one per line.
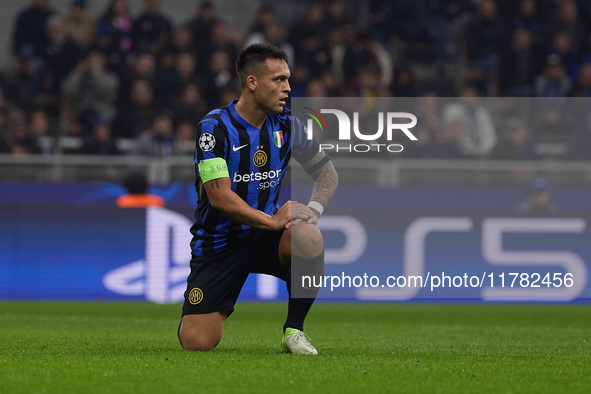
(211,169)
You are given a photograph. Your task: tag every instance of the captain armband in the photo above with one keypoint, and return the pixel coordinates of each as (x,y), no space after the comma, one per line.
(211,169)
(315,167)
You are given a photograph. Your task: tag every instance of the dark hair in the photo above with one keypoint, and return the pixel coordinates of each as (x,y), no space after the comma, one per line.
(256,54)
(135,183)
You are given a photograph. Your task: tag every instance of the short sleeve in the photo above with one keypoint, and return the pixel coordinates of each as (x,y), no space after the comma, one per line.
(303,149)
(211,141)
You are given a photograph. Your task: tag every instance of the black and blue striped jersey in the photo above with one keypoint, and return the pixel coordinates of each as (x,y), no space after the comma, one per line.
(257,160)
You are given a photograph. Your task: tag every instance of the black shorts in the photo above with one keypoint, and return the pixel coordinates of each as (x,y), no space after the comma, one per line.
(216,281)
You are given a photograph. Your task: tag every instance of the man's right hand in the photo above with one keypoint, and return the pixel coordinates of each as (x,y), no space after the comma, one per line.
(224,200)
(292,212)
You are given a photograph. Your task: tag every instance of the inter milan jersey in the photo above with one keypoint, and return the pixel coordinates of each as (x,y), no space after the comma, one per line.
(256,160)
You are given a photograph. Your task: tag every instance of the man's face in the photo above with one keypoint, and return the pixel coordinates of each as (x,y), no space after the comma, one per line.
(272,86)
(153,7)
(40,3)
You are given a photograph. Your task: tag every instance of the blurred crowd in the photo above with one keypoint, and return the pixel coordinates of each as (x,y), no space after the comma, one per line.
(113,84)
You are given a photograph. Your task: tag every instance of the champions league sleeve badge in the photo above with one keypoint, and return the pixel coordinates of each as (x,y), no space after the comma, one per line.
(206,142)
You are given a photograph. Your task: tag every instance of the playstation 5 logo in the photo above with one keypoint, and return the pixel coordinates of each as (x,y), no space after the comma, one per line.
(162,275)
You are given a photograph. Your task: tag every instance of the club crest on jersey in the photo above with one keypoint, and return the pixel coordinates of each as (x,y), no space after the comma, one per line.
(278,138)
(206,142)
(260,157)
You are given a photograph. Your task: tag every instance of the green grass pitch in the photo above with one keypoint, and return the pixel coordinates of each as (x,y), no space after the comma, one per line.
(364,348)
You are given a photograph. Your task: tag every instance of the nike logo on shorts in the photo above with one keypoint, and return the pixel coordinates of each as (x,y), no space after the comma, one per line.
(234,148)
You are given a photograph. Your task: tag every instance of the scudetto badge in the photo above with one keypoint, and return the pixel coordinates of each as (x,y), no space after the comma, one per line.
(278,138)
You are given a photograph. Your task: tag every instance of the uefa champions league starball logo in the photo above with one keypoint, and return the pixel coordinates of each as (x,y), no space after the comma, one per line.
(206,142)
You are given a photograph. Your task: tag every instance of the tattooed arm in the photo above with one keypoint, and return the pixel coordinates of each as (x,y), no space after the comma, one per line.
(325,178)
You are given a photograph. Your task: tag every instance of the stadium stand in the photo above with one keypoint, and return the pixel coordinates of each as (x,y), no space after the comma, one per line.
(76,67)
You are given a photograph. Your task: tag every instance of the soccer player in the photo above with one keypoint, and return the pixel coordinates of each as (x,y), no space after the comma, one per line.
(242,153)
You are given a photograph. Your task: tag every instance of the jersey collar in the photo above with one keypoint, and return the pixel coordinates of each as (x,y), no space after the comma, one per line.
(239,118)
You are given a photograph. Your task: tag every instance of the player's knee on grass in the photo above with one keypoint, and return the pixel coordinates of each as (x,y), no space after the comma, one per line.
(201,332)
(199,343)
(306,240)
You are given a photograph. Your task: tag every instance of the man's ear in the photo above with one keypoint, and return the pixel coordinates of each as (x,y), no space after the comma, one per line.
(251,82)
